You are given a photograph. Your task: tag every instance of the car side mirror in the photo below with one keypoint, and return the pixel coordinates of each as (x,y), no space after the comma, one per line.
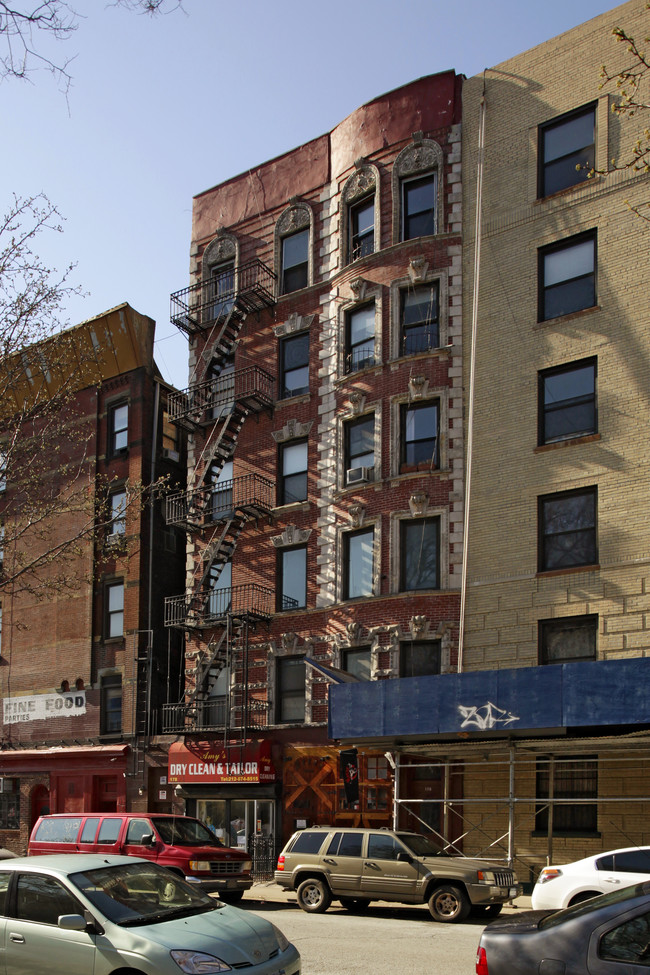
(72,922)
(405,857)
(148,840)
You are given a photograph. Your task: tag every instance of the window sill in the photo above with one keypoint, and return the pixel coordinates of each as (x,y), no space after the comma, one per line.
(570,570)
(284,509)
(569,833)
(569,190)
(567,318)
(291,400)
(569,442)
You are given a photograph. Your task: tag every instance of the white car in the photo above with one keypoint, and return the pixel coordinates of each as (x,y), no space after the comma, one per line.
(559,887)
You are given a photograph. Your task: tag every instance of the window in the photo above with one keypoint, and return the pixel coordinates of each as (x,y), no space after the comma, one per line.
(362,228)
(377,767)
(293,472)
(295,261)
(345,845)
(567,640)
(628,942)
(118,512)
(294,365)
(377,798)
(358,563)
(567,402)
(118,419)
(219,599)
(114,610)
(220,480)
(222,289)
(111,704)
(574,778)
(10,805)
(360,338)
(292,578)
(567,276)
(357,662)
(567,530)
(3,471)
(420,434)
(290,687)
(567,150)
(420,319)
(44,899)
(420,659)
(170,437)
(381,846)
(419,206)
(420,554)
(360,449)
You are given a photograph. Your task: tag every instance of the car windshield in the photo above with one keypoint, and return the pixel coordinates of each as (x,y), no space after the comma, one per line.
(141,893)
(184,832)
(586,907)
(421,846)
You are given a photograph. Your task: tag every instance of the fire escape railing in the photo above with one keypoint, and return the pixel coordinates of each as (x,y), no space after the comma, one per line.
(196,307)
(214,715)
(250,494)
(212,606)
(251,388)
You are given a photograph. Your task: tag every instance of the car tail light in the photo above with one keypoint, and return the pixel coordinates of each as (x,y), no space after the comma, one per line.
(280,865)
(548,873)
(481,962)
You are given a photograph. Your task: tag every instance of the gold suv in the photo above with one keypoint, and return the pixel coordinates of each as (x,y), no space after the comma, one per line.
(356,866)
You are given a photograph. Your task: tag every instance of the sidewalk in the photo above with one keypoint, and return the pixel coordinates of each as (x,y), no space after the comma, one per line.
(267,891)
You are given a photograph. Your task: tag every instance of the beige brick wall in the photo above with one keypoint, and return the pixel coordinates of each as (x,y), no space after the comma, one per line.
(506,595)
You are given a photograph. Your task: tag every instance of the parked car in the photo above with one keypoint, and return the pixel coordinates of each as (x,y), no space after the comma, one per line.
(606,935)
(563,886)
(182,843)
(356,866)
(71,914)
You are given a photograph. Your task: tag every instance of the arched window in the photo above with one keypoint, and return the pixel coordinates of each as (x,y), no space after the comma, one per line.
(360,214)
(293,248)
(417,191)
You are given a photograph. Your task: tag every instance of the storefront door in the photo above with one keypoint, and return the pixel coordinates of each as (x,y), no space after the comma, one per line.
(237,822)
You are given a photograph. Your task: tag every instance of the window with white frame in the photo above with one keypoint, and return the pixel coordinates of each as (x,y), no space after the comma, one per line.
(420,319)
(111,704)
(418,200)
(118,512)
(358,662)
(295,261)
(359,563)
(294,365)
(292,578)
(360,338)
(360,449)
(114,610)
(420,427)
(292,485)
(362,228)
(118,428)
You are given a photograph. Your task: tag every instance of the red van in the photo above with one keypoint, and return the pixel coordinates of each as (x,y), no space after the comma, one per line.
(181,843)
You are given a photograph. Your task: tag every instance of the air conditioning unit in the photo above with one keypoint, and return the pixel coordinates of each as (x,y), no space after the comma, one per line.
(359,475)
(171,454)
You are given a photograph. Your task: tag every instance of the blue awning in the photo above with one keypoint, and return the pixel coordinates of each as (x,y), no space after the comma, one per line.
(486,703)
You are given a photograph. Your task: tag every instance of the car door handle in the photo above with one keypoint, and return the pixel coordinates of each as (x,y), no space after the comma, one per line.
(13,936)
(369,863)
(612,880)
(329,860)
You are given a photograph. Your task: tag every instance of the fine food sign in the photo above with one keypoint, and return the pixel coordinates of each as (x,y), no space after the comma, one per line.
(38,707)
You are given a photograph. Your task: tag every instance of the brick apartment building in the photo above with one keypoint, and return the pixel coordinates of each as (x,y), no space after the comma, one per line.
(86,667)
(324,506)
(544,728)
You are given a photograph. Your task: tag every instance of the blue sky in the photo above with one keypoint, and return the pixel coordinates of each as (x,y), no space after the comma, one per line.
(162,109)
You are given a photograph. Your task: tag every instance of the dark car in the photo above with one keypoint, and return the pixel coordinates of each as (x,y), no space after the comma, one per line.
(607,935)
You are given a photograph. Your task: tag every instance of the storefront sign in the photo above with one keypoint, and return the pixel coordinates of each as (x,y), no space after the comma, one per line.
(207,764)
(39,707)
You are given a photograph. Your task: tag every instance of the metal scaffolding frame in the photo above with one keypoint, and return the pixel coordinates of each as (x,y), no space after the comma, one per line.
(498,763)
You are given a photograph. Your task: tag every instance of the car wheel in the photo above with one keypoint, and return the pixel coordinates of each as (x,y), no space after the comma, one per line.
(314,896)
(449,903)
(488,911)
(354,904)
(585,895)
(231,896)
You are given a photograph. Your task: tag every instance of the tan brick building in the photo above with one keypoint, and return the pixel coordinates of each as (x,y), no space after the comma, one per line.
(559,535)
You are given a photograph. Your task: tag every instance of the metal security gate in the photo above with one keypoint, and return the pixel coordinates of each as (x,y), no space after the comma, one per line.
(262,850)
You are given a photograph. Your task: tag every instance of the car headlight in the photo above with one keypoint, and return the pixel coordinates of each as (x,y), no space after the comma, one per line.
(199,865)
(198,963)
(283,942)
(246,865)
(486,877)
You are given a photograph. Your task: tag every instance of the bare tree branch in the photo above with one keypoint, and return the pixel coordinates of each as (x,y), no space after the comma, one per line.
(631,88)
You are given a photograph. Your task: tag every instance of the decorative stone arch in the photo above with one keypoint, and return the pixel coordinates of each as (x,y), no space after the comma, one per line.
(422,156)
(363,182)
(297,216)
(222,248)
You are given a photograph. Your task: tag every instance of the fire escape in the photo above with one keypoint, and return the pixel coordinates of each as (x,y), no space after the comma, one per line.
(216,509)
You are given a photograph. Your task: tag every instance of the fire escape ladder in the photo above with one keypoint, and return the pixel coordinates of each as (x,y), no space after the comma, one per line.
(220,444)
(223,336)
(209,665)
(221,547)
(142,729)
